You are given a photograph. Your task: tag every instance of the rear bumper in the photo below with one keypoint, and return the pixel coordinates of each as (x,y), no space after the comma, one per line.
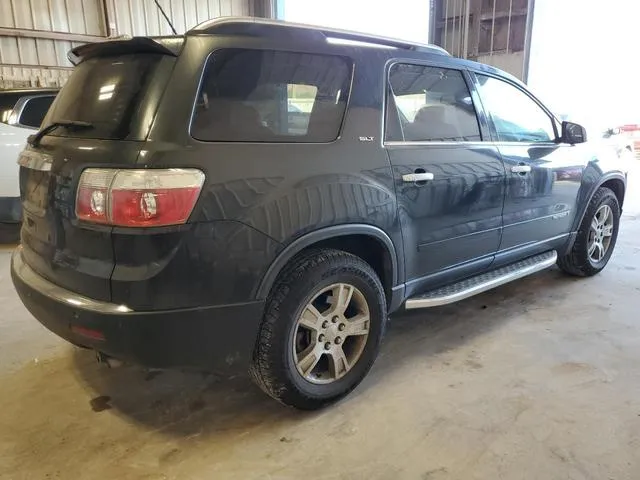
(10,210)
(207,338)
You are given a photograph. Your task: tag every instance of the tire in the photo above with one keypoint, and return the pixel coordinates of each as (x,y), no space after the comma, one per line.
(304,279)
(579,262)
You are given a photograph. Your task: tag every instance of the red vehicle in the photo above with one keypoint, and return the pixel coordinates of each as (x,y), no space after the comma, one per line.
(632,131)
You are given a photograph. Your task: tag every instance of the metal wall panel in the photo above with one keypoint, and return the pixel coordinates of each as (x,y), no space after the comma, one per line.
(43,61)
(74,16)
(142,17)
(496,32)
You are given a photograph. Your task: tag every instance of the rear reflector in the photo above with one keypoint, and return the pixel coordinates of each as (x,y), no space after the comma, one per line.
(87,332)
(138,198)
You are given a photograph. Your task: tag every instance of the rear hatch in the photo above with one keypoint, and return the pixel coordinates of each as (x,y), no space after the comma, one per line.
(100,118)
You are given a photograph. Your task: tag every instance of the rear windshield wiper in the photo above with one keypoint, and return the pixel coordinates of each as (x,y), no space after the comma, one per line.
(34,139)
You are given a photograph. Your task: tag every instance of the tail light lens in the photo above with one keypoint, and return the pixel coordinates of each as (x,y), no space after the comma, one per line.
(138,198)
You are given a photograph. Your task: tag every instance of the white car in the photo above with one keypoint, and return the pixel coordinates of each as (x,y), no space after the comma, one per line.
(27,110)
(12,141)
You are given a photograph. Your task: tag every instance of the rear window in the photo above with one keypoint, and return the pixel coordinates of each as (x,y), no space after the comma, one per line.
(34,111)
(107,92)
(271,96)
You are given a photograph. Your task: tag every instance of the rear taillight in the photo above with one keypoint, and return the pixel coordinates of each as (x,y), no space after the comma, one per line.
(138,198)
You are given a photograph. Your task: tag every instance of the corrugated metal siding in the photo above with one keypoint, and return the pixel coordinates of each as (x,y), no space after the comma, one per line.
(488,31)
(74,16)
(43,62)
(142,17)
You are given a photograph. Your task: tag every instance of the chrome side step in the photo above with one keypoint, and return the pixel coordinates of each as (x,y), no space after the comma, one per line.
(481,283)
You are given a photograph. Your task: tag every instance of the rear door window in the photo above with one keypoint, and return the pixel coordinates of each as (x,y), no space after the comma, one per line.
(271,96)
(432,104)
(107,92)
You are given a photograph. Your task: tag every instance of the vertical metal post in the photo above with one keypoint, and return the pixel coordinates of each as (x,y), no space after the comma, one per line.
(432,23)
(493,28)
(527,40)
(460,32)
(106,18)
(454,28)
(466,29)
(446,23)
(509,24)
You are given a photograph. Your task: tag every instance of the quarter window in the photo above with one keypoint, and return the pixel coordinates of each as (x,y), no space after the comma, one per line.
(430,104)
(271,96)
(516,116)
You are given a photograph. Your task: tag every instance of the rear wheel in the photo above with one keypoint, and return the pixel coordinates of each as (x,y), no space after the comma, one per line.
(322,328)
(596,237)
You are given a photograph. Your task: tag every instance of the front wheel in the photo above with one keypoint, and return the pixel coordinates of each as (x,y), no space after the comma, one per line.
(321,331)
(596,237)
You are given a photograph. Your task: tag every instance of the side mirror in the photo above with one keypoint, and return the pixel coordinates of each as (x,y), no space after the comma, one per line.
(573,133)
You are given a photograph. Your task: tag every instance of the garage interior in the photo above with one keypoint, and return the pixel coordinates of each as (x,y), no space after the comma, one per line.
(537,379)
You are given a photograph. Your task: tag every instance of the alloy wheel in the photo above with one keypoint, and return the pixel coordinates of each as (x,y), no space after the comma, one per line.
(600,234)
(331,333)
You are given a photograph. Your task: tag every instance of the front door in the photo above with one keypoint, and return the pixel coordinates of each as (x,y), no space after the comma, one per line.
(543,175)
(449,184)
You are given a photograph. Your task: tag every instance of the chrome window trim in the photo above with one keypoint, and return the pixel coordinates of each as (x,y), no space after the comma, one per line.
(425,143)
(400,143)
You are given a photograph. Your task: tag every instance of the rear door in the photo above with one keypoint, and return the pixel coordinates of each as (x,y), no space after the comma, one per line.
(449,183)
(116,96)
(543,175)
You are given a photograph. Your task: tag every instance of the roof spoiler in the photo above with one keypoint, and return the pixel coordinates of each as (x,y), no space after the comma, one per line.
(164,45)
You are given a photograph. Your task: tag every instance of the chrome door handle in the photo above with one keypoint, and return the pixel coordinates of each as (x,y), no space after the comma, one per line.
(521,169)
(417,177)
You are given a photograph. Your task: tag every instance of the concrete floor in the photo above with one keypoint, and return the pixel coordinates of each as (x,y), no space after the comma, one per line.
(539,379)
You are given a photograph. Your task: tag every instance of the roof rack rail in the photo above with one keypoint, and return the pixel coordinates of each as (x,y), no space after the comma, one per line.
(266,27)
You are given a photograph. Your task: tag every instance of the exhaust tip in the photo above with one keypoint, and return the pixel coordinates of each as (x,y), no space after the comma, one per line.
(107,360)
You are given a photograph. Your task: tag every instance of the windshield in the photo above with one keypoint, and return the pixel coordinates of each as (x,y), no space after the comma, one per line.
(111,94)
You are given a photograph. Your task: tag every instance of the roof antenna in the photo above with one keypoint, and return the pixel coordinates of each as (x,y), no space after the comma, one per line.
(165,17)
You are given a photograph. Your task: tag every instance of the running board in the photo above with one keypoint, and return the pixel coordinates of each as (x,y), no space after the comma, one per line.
(481,283)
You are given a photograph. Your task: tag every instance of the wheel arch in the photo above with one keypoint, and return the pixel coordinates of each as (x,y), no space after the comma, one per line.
(616,182)
(340,237)
(617,185)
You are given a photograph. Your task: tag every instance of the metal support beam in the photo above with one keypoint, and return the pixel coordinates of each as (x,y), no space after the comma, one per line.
(48,35)
(267,8)
(527,40)
(34,67)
